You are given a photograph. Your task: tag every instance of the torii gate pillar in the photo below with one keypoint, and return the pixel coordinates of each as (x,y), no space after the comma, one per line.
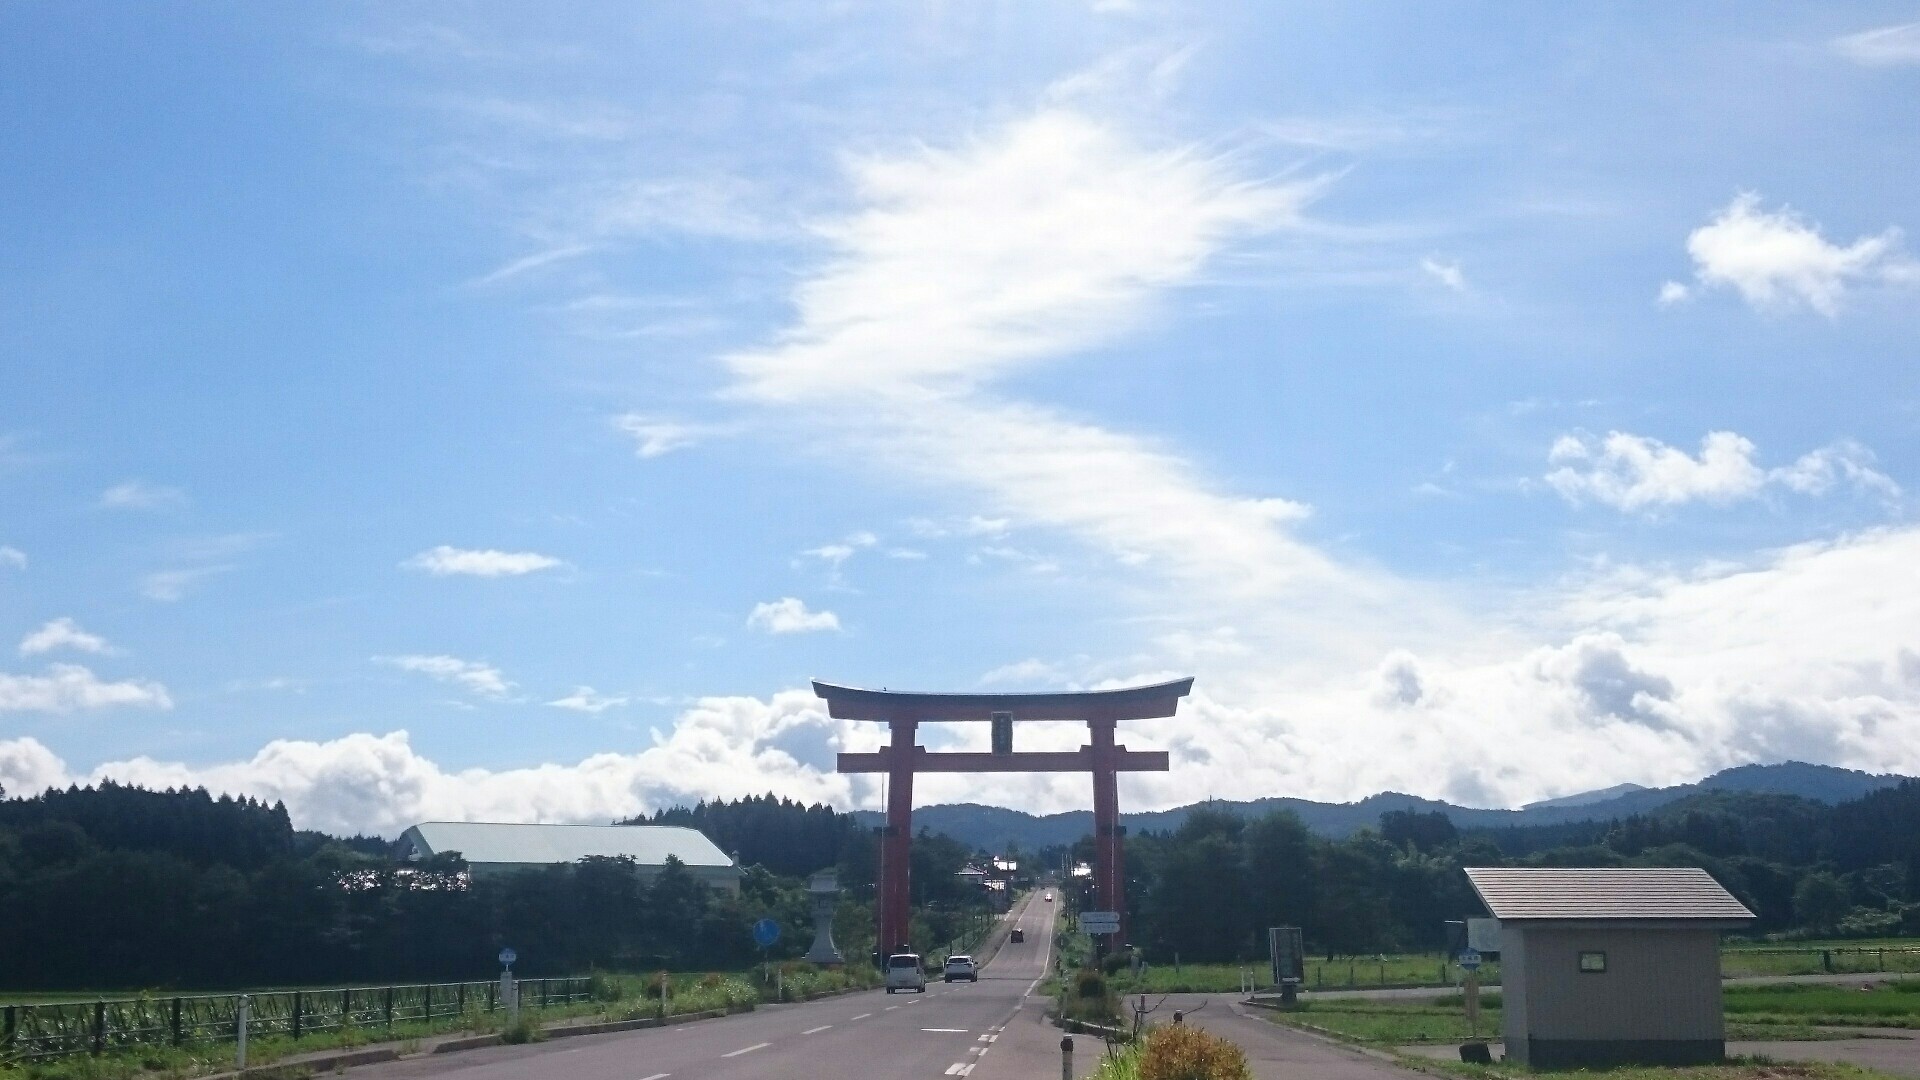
(1100,710)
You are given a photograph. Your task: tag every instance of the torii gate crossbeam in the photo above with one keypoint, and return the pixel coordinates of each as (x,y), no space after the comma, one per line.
(1100,710)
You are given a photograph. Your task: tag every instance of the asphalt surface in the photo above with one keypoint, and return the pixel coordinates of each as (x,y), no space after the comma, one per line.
(990,1030)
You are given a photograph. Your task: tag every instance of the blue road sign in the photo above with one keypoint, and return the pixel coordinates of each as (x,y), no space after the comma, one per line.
(1470,959)
(766,932)
(508,956)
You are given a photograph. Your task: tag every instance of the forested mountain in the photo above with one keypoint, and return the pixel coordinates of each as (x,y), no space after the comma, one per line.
(1209,888)
(995,827)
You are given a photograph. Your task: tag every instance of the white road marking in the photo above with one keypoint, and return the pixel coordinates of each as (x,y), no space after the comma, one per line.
(747,1049)
(657,1076)
(863,1016)
(976,1049)
(960,1068)
(890,1008)
(956,1031)
(816,1031)
(988,1037)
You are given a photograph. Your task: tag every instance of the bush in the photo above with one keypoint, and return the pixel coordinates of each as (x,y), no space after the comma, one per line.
(524,1030)
(1184,1052)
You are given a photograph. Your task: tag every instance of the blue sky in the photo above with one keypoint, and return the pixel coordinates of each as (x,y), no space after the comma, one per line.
(432,411)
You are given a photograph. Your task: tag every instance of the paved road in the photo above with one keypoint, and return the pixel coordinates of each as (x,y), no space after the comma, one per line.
(1415,993)
(979,1030)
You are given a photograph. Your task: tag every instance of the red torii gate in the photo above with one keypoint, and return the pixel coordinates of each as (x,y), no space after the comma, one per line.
(903,712)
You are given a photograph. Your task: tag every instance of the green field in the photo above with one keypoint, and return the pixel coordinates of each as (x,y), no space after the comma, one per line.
(1787,1012)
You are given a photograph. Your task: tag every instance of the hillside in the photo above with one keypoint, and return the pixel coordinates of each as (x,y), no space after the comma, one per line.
(994,827)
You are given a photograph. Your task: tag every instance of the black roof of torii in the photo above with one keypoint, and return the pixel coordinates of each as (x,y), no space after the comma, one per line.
(1126,703)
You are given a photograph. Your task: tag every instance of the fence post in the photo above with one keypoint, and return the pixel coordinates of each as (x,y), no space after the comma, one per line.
(8,1027)
(428,1008)
(389,1007)
(346,1009)
(296,1016)
(173,1022)
(460,999)
(99,1027)
(240,1010)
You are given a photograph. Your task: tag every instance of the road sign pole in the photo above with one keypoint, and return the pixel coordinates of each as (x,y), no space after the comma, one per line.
(240,1012)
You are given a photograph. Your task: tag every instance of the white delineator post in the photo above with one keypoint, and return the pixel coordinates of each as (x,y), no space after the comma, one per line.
(1066,1057)
(240,1011)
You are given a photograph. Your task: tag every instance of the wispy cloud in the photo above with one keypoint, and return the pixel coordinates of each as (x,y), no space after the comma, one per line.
(69,687)
(63,633)
(585,699)
(535,261)
(13,557)
(138,495)
(445,561)
(484,680)
(1885,46)
(789,615)
(1445,272)
(655,436)
(168,586)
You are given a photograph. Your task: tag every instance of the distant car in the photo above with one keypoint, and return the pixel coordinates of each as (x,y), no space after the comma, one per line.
(961,967)
(1018,936)
(904,972)
(1048,898)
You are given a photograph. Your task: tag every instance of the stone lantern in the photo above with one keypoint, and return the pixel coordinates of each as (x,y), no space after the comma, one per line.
(824,889)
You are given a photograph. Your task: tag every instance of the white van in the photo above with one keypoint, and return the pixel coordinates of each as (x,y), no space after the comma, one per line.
(905,972)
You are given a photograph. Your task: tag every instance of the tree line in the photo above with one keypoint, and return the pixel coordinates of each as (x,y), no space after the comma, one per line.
(1209,889)
(116,888)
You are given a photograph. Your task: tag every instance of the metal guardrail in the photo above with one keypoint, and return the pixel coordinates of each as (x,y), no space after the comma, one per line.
(42,1031)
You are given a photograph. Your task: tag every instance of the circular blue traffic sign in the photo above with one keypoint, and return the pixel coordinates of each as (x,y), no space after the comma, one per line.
(1469,958)
(508,956)
(766,932)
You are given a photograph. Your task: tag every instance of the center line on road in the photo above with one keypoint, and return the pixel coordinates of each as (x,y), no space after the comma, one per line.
(956,1031)
(890,1008)
(960,1068)
(747,1049)
(657,1076)
(863,1016)
(816,1031)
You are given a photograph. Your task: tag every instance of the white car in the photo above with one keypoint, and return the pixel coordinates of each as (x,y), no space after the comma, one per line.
(905,972)
(962,967)
(1048,898)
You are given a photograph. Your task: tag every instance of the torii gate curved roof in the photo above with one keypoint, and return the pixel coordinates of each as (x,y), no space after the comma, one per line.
(1126,703)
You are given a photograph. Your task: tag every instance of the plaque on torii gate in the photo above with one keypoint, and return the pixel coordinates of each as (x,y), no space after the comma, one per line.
(902,712)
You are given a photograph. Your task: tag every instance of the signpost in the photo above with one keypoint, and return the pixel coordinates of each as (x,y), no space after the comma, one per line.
(765,933)
(509,989)
(1287,952)
(1470,963)
(1098,923)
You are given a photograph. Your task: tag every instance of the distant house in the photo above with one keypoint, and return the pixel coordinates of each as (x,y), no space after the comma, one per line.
(1610,966)
(971,875)
(496,848)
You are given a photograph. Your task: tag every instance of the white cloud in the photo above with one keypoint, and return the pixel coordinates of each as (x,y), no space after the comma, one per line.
(1776,259)
(1446,273)
(1635,472)
(168,586)
(13,556)
(1884,46)
(444,561)
(837,553)
(655,436)
(587,700)
(62,633)
(1047,237)
(719,748)
(67,687)
(1672,293)
(478,678)
(535,261)
(136,495)
(789,615)
(1025,673)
